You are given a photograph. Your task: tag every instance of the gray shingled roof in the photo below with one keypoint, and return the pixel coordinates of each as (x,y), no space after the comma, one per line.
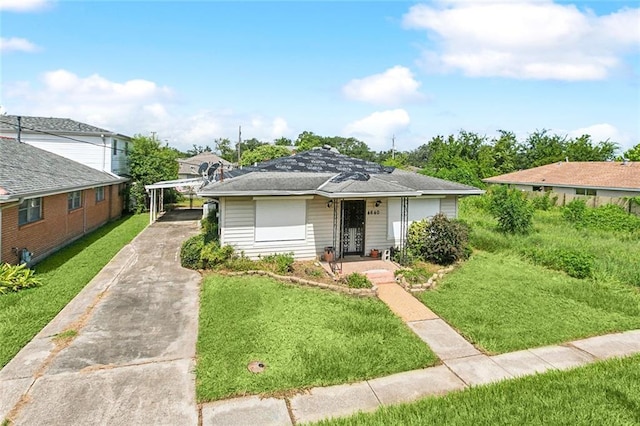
(327,173)
(29,171)
(49,124)
(189,166)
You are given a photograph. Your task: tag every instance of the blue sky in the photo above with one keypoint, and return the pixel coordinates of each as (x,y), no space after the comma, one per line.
(195,71)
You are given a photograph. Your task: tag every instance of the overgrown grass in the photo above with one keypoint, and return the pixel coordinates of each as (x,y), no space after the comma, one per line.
(63,275)
(605,393)
(306,337)
(503,303)
(615,254)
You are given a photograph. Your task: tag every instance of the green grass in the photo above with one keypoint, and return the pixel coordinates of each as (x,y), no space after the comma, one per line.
(63,275)
(615,254)
(503,303)
(605,393)
(306,337)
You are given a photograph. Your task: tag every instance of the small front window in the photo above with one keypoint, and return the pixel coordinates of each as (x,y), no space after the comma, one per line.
(115,147)
(30,211)
(99,194)
(74,200)
(585,191)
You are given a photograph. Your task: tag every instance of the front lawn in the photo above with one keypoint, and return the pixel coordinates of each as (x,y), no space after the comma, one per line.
(306,337)
(503,303)
(63,275)
(605,393)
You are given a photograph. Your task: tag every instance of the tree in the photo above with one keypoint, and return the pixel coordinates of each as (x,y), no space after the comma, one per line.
(149,162)
(505,152)
(541,148)
(283,142)
(198,149)
(263,153)
(225,151)
(633,154)
(582,149)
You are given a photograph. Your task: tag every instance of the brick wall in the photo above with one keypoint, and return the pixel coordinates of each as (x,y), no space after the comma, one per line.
(58,226)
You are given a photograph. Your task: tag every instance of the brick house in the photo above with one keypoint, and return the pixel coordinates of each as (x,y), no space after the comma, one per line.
(48,201)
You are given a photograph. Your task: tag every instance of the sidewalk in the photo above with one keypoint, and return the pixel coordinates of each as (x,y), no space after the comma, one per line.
(456,374)
(133,357)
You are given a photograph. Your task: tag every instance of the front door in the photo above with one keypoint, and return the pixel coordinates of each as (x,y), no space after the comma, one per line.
(353,216)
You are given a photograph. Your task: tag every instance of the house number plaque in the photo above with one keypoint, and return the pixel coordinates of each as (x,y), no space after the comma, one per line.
(369,212)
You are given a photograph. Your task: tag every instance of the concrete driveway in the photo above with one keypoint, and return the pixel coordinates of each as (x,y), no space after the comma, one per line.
(132,359)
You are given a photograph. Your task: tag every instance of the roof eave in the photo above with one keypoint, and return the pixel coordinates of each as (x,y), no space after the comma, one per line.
(47,193)
(562,185)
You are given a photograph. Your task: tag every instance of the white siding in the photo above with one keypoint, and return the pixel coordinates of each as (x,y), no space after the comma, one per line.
(91,151)
(376,226)
(238,221)
(449,206)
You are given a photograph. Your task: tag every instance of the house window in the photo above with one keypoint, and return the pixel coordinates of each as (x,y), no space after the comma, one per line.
(99,194)
(585,191)
(280,220)
(30,211)
(115,147)
(126,148)
(74,200)
(419,208)
(542,188)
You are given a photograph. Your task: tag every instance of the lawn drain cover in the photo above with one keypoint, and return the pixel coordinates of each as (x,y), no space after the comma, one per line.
(256,366)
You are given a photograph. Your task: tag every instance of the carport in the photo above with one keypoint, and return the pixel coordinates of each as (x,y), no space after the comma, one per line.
(156,204)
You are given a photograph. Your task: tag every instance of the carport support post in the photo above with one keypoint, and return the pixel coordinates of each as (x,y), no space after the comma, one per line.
(152,207)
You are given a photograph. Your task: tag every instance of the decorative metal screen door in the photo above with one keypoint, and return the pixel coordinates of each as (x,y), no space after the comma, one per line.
(353,216)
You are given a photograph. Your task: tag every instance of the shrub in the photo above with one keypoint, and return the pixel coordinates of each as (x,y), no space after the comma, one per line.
(575,263)
(190,252)
(283,263)
(357,280)
(213,255)
(415,275)
(512,210)
(574,211)
(440,240)
(210,226)
(16,277)
(543,202)
(610,217)
(240,262)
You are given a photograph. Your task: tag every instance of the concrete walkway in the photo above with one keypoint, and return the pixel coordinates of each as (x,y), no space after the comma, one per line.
(132,360)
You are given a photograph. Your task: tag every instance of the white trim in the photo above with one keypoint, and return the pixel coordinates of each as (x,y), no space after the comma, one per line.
(284,197)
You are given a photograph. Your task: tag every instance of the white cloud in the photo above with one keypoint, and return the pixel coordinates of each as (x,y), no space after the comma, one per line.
(392,87)
(528,39)
(16,44)
(378,128)
(24,5)
(132,107)
(602,132)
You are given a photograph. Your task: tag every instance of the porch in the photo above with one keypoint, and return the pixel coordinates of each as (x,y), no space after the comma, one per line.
(377,270)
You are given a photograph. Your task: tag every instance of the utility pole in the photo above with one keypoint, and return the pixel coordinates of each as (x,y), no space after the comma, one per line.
(153,136)
(19,127)
(239,142)
(393,146)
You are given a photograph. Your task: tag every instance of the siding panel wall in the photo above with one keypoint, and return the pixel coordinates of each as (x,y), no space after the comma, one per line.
(449,206)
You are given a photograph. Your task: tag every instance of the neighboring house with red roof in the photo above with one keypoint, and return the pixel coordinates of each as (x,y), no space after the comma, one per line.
(47,201)
(92,146)
(596,178)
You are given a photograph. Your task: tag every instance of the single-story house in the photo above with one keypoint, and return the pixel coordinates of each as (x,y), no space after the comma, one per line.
(48,201)
(598,178)
(188,167)
(89,145)
(320,198)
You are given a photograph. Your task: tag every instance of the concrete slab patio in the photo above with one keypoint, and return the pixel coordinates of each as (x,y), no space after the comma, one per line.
(132,359)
